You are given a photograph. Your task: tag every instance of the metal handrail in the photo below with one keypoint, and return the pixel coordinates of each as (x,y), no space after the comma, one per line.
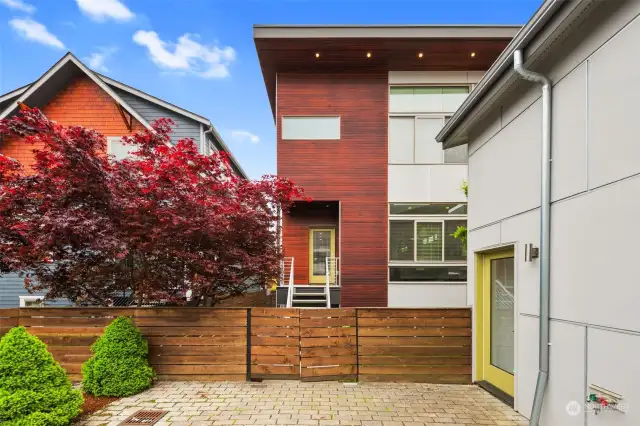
(290,292)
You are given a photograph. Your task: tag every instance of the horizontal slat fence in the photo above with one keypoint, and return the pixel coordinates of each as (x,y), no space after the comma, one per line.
(414,345)
(328,344)
(275,343)
(210,344)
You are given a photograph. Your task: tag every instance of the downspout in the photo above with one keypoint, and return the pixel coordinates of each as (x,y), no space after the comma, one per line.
(545,232)
(205,145)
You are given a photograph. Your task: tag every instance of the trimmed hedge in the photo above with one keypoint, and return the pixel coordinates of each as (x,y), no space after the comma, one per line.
(34,389)
(119,366)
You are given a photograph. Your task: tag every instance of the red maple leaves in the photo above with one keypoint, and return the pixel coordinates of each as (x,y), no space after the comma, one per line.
(152,226)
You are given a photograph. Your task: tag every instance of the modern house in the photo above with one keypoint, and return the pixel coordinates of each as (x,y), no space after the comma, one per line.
(357,109)
(554,154)
(71,94)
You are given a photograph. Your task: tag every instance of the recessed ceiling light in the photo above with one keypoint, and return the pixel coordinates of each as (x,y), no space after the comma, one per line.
(473,54)
(420,55)
(317,54)
(368,54)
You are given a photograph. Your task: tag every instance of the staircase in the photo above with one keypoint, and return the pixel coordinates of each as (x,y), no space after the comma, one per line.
(309,296)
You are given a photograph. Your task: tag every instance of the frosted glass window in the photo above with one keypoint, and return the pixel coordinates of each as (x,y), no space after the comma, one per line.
(401,137)
(118,149)
(310,128)
(424,99)
(427,149)
(502,314)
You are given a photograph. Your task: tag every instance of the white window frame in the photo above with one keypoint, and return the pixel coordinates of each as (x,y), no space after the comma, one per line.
(31,298)
(113,139)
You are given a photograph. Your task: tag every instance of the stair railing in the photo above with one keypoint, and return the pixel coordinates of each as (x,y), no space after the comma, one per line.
(290,291)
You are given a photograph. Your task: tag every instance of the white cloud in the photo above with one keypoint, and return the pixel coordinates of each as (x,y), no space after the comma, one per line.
(96,60)
(19,5)
(101,10)
(187,55)
(35,31)
(244,135)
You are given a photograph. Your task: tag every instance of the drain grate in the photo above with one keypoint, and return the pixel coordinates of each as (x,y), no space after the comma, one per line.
(144,417)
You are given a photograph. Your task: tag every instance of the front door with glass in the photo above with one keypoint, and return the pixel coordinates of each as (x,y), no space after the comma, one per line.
(321,246)
(496,320)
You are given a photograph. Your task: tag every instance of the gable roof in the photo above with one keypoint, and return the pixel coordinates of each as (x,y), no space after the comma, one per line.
(51,80)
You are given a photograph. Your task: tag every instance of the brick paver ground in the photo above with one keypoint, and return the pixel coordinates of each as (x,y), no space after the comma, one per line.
(324,403)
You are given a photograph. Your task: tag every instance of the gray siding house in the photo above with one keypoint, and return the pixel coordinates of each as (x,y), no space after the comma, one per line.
(553,329)
(140,105)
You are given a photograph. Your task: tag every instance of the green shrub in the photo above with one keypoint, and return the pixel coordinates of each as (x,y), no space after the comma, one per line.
(119,366)
(34,389)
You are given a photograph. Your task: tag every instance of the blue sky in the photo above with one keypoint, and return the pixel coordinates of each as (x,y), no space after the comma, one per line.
(199,54)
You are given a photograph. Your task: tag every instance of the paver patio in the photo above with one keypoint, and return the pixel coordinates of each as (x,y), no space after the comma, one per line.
(320,403)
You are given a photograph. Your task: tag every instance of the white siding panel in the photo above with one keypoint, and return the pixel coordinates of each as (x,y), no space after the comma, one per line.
(613,365)
(566,357)
(451,102)
(311,128)
(426,183)
(592,262)
(524,229)
(427,295)
(504,176)
(401,137)
(614,90)
(569,133)
(446,182)
(409,183)
(526,363)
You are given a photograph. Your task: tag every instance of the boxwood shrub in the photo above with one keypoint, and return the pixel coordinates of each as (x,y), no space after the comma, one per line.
(119,366)
(34,389)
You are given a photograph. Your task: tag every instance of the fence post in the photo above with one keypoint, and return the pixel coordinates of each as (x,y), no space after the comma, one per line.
(357,349)
(248,344)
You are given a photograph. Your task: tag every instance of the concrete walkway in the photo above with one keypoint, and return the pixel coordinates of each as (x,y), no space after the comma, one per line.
(322,403)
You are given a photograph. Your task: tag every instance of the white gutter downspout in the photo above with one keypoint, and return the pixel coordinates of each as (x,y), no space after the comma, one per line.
(545,232)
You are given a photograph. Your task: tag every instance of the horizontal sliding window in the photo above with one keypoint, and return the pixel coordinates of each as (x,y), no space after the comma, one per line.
(443,273)
(428,241)
(311,128)
(426,99)
(428,209)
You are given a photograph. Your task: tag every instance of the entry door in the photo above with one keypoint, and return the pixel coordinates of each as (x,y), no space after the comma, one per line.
(322,244)
(497,320)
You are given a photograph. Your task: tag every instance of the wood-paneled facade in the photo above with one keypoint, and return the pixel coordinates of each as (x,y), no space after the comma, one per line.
(351,171)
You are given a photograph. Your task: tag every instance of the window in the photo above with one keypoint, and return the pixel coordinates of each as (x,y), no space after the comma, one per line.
(31,301)
(118,149)
(426,99)
(412,140)
(401,240)
(428,209)
(310,128)
(445,273)
(425,241)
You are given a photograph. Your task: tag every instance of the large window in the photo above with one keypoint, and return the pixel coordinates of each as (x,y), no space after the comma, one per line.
(421,245)
(310,128)
(425,240)
(412,140)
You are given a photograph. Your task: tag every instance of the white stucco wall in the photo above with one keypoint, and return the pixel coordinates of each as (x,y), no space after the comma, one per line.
(595,327)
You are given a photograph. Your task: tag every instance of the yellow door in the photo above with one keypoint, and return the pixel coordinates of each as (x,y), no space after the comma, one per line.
(495,319)
(322,245)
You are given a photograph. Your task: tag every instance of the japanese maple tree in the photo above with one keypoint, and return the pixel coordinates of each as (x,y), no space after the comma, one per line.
(161,222)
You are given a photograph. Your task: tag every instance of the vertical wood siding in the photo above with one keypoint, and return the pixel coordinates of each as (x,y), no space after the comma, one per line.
(352,170)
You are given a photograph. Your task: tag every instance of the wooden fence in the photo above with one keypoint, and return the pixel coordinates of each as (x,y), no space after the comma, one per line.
(210,344)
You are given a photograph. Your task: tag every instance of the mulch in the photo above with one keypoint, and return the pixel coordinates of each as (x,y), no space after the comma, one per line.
(93,404)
